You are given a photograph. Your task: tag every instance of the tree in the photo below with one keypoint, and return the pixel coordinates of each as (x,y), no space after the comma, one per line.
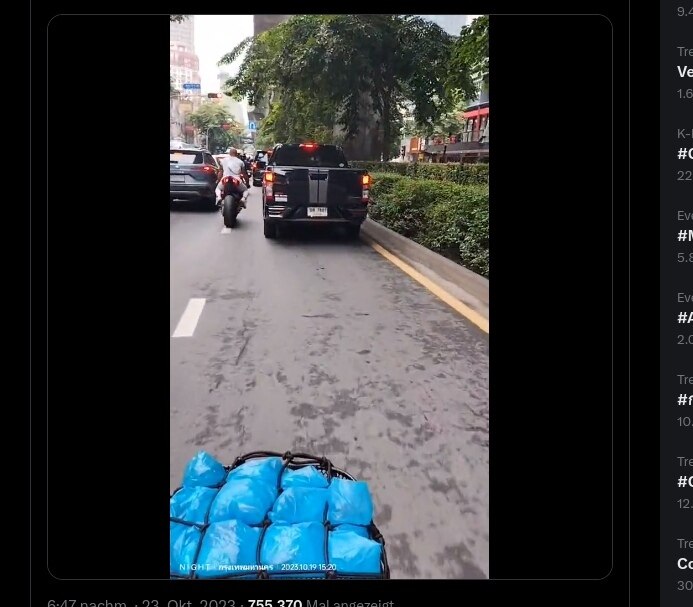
(264,140)
(469,58)
(178,18)
(301,118)
(211,118)
(448,123)
(347,66)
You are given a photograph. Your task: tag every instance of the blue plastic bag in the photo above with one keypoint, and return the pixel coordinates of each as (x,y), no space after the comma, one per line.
(293,545)
(203,471)
(228,547)
(299,548)
(349,552)
(357,529)
(191,504)
(308,476)
(349,502)
(265,470)
(300,505)
(183,544)
(245,499)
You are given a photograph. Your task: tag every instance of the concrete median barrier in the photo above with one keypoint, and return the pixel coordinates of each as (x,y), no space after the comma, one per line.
(470,288)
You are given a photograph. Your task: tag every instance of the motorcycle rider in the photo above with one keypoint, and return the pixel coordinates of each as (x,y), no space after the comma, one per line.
(248,162)
(234,167)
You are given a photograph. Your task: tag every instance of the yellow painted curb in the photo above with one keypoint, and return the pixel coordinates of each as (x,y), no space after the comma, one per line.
(439,292)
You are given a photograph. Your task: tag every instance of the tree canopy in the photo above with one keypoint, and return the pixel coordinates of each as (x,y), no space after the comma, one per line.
(212,116)
(301,118)
(447,124)
(178,18)
(469,57)
(327,70)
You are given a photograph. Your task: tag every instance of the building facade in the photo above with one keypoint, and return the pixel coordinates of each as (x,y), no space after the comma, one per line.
(184,63)
(476,114)
(184,67)
(261,23)
(176,119)
(183,32)
(222,77)
(232,106)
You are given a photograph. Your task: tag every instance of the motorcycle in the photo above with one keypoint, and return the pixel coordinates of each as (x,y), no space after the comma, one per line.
(231,200)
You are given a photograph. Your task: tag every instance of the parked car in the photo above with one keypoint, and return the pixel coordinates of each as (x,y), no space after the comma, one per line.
(193,176)
(312,184)
(258,166)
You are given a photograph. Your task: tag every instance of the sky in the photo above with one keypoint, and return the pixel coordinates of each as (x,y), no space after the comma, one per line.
(216,35)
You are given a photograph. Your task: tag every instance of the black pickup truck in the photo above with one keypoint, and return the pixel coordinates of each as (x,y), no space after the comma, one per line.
(307,183)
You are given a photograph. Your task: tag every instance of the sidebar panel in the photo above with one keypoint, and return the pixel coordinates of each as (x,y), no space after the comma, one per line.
(676,303)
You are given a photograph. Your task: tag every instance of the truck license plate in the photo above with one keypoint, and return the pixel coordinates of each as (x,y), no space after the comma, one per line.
(317,211)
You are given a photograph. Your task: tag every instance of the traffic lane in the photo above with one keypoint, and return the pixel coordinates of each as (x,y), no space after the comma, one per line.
(204,263)
(190,245)
(322,345)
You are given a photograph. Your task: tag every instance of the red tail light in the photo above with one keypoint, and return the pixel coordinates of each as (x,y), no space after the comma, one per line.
(209,169)
(268,178)
(365,188)
(228,179)
(308,146)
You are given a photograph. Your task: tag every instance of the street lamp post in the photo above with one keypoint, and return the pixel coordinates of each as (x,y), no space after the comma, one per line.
(211,126)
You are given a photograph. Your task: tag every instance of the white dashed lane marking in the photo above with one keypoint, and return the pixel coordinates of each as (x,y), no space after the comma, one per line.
(188,322)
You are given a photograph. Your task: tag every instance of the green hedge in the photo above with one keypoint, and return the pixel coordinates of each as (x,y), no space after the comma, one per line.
(456,173)
(447,218)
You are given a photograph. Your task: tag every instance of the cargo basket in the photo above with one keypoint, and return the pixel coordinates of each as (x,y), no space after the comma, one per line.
(290,461)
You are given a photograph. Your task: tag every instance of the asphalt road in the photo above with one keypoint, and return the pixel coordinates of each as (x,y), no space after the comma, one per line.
(319,344)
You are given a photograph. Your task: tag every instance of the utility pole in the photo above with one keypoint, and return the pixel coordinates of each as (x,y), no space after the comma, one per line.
(211,126)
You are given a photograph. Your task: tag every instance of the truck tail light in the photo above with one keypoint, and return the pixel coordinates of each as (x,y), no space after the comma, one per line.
(268,178)
(365,188)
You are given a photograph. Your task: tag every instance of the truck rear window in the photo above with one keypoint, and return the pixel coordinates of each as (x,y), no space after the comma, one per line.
(186,157)
(320,156)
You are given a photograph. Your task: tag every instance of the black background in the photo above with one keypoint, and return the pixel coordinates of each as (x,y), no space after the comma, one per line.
(551,298)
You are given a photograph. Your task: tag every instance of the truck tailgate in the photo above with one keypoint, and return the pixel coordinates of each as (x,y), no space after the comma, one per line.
(313,186)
